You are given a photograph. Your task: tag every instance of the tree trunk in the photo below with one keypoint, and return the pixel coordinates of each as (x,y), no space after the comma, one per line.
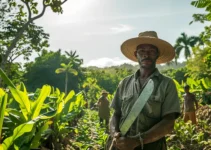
(66,81)
(12,46)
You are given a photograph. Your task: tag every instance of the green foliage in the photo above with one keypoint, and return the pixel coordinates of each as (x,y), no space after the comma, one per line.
(37,116)
(6,79)
(67,69)
(206,4)
(19,35)
(186,43)
(42,71)
(191,137)
(198,66)
(109,78)
(32,38)
(88,134)
(91,90)
(24,128)
(180,75)
(3,103)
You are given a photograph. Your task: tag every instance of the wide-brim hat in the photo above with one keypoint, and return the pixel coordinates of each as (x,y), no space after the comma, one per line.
(166,50)
(104,92)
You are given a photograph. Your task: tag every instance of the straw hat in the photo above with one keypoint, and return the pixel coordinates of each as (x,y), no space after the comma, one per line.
(166,50)
(104,92)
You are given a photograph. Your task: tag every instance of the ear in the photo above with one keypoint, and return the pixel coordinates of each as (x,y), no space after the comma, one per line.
(158,54)
(135,54)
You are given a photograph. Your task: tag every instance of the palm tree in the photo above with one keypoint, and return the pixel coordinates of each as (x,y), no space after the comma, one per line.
(66,69)
(186,43)
(74,58)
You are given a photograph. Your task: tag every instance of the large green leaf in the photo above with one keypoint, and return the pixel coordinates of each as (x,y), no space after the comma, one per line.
(77,102)
(22,99)
(178,86)
(60,106)
(2,93)
(69,96)
(22,87)
(36,140)
(18,131)
(24,128)
(37,105)
(3,104)
(191,82)
(19,114)
(6,79)
(205,85)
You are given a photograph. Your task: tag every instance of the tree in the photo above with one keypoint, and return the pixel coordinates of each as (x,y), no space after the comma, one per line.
(180,74)
(75,60)
(19,29)
(185,43)
(42,71)
(199,66)
(202,17)
(66,69)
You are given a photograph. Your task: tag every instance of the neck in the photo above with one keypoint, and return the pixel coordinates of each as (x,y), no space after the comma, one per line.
(146,72)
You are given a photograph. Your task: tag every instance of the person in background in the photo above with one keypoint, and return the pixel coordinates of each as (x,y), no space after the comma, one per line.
(188,105)
(103,108)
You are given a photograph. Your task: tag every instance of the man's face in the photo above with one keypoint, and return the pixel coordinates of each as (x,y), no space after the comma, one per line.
(105,94)
(186,90)
(147,55)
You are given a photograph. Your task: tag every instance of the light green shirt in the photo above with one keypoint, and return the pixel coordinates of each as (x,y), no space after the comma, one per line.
(164,100)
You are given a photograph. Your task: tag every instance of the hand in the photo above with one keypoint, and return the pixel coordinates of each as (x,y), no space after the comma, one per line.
(125,143)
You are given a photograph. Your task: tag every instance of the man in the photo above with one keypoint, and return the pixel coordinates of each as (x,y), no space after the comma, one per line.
(162,108)
(104,111)
(188,105)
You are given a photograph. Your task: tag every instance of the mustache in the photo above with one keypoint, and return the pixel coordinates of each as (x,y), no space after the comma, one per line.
(147,59)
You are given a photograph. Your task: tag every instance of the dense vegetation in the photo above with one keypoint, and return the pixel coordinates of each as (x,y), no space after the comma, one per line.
(49,103)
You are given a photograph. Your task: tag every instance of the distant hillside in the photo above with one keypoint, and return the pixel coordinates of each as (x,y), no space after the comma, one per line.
(134,68)
(171,66)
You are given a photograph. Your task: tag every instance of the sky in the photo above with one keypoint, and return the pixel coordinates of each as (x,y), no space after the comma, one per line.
(97,28)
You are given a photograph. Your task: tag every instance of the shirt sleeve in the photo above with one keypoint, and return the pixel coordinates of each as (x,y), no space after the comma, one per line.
(171,103)
(117,102)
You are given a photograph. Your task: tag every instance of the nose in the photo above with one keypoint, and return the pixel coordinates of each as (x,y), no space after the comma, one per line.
(145,55)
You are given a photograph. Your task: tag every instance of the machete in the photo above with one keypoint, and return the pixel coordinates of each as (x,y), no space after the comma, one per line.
(137,107)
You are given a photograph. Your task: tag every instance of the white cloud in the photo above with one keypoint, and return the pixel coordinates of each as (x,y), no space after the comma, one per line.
(107,62)
(121,28)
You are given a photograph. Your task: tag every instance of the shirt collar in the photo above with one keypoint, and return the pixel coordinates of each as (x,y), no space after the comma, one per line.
(155,73)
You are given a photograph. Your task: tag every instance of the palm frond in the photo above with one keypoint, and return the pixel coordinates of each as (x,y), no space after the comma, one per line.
(60,70)
(73,71)
(63,65)
(187,52)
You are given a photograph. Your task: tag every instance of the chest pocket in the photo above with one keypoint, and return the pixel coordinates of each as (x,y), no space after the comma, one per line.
(127,104)
(152,108)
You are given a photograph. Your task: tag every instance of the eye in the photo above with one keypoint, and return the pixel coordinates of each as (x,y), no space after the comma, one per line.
(152,51)
(141,51)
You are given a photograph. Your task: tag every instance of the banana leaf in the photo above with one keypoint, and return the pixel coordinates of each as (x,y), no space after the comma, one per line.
(24,128)
(6,79)
(3,104)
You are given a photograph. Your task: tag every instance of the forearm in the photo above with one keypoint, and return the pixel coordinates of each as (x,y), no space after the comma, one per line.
(114,124)
(158,131)
(155,133)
